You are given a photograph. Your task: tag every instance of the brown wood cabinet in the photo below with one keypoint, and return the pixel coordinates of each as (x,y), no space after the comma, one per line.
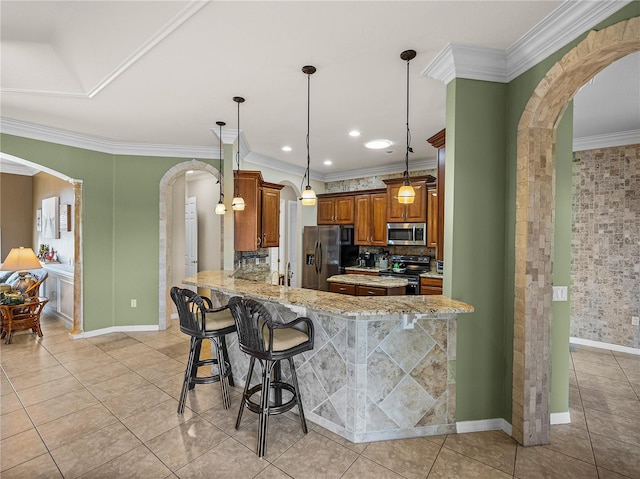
(370,227)
(359,271)
(360,290)
(335,209)
(430,285)
(432,217)
(258,225)
(415,212)
(439,141)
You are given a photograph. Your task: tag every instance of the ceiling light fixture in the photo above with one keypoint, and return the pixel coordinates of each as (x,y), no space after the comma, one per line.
(238,202)
(377,144)
(286,148)
(220,207)
(354,133)
(328,162)
(308,195)
(406,193)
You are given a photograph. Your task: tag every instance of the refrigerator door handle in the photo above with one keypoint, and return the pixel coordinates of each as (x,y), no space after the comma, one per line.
(321,259)
(317,258)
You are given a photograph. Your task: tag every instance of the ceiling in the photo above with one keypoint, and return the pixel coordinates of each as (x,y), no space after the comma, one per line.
(163,72)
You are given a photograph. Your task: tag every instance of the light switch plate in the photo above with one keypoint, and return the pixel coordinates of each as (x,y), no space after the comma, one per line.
(560,293)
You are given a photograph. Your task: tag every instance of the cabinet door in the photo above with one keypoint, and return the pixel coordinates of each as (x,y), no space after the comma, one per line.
(361,229)
(432,217)
(344,210)
(378,225)
(270,217)
(430,286)
(325,211)
(371,291)
(248,221)
(342,288)
(395,210)
(416,212)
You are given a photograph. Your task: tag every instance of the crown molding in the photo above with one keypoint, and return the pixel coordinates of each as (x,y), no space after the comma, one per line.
(566,23)
(68,138)
(608,140)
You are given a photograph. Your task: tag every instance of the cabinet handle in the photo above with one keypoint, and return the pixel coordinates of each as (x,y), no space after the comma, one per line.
(343,289)
(369,292)
(259,240)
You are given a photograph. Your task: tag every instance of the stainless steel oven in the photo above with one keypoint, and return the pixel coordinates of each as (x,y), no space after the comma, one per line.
(407,234)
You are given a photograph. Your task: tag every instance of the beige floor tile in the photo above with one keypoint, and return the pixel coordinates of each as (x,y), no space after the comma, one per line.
(101,373)
(20,448)
(117,385)
(78,424)
(449,464)
(137,463)
(617,456)
(162,369)
(14,423)
(90,363)
(272,472)
(17,367)
(46,391)
(590,349)
(572,441)
(10,403)
(93,450)
(108,338)
(130,351)
(615,386)
(339,439)
(157,419)
(135,400)
(493,448)
(41,467)
(613,426)
(87,352)
(178,351)
(60,406)
(5,385)
(59,347)
(172,385)
(183,443)
(607,370)
(621,406)
(283,433)
(607,474)
(411,458)
(141,361)
(225,419)
(203,397)
(39,376)
(536,461)
(227,459)
(363,467)
(316,456)
(605,357)
(622,354)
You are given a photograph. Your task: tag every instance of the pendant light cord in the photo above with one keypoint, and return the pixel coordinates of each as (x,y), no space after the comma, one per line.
(406,156)
(308,125)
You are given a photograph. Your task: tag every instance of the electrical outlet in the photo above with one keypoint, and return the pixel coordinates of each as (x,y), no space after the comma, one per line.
(635,320)
(560,293)
(134,303)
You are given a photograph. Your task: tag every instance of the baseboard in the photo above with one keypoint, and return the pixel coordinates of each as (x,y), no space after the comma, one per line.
(560,418)
(116,329)
(609,346)
(484,425)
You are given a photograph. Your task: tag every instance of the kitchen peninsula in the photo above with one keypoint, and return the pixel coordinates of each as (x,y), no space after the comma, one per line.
(382,367)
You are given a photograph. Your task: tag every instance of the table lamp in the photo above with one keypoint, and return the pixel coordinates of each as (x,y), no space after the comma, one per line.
(20,260)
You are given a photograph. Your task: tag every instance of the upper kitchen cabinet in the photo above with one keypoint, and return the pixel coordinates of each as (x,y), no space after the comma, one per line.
(257,226)
(439,141)
(415,212)
(370,227)
(335,209)
(432,217)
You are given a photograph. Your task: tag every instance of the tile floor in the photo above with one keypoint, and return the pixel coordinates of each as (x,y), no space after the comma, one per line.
(105,407)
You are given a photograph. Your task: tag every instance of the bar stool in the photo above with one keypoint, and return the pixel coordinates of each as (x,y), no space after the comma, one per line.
(269,343)
(201,321)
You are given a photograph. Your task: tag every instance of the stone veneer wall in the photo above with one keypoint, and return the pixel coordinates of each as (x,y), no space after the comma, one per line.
(605,265)
(370,182)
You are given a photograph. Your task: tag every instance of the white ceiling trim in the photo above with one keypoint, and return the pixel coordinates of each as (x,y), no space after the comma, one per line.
(379,171)
(608,140)
(564,24)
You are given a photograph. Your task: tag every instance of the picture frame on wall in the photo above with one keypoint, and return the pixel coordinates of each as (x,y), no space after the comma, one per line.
(38,220)
(65,218)
(50,221)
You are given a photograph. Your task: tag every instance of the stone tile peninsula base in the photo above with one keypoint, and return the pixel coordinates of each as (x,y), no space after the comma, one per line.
(382,367)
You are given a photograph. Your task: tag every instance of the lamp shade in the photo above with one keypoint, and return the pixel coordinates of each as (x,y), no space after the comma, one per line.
(221,208)
(406,195)
(237,204)
(20,259)
(308,197)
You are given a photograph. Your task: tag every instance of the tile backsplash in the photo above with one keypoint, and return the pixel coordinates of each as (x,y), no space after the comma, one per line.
(605,267)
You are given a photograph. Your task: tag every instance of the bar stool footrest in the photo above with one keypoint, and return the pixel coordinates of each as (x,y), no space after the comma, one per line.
(273,409)
(214,378)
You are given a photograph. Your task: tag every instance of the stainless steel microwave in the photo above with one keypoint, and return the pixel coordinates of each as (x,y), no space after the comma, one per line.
(408,234)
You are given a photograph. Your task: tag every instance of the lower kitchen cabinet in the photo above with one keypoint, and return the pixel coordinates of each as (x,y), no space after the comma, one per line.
(430,285)
(361,290)
(58,287)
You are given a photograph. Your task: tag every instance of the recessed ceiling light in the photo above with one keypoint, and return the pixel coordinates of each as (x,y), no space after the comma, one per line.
(328,162)
(286,148)
(189,172)
(354,133)
(377,144)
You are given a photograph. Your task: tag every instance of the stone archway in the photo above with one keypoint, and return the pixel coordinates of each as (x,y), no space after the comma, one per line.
(166,243)
(534,219)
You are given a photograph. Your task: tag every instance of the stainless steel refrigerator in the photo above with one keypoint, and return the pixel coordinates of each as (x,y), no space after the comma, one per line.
(328,250)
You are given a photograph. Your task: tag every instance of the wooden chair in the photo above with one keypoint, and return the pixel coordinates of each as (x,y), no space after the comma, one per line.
(19,317)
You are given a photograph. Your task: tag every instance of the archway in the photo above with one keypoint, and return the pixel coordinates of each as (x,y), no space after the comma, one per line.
(165,221)
(534,219)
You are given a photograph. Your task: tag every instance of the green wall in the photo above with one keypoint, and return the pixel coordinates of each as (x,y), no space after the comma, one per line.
(121,197)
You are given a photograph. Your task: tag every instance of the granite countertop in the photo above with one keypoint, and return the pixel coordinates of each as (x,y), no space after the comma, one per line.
(432,274)
(356,306)
(364,269)
(368,280)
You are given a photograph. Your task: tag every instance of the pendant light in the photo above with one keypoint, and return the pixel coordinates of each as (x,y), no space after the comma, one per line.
(308,195)
(406,193)
(220,207)
(238,202)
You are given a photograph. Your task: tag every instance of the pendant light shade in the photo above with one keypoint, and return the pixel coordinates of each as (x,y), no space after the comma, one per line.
(238,202)
(406,193)
(308,195)
(220,207)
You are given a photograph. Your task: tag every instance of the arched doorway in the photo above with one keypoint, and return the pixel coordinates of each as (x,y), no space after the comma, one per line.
(165,223)
(534,219)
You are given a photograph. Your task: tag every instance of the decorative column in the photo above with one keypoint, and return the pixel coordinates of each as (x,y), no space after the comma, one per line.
(76,332)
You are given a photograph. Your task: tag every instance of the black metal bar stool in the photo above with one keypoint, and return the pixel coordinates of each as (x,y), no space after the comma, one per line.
(201,321)
(269,342)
